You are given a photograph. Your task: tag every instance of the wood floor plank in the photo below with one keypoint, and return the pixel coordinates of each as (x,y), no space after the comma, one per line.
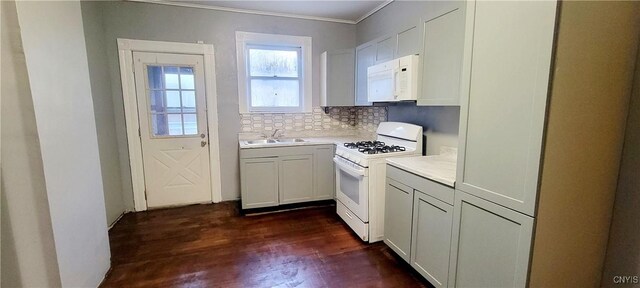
(215,246)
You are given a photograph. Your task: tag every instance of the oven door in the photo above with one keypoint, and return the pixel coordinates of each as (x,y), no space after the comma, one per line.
(352,187)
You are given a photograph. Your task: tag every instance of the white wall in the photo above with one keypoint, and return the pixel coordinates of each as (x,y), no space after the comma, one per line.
(54,46)
(103,109)
(28,251)
(595,55)
(623,252)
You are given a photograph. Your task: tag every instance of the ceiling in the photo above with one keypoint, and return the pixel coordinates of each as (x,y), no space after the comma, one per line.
(344,11)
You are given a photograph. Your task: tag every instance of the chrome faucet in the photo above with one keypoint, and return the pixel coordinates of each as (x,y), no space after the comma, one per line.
(273,135)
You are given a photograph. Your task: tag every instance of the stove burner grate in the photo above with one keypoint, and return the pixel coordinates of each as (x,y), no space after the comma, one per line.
(374,147)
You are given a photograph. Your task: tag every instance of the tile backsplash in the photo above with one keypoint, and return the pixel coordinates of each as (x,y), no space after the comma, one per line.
(339,121)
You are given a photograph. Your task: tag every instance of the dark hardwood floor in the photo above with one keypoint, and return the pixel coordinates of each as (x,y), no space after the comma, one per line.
(214,246)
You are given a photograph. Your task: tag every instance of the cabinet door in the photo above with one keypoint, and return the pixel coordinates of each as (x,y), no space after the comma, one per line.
(431,238)
(491,244)
(502,120)
(397,217)
(296,178)
(259,182)
(365,57)
(324,171)
(409,42)
(385,49)
(442,58)
(337,78)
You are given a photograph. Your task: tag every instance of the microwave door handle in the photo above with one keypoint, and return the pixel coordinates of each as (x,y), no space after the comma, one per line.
(349,170)
(395,84)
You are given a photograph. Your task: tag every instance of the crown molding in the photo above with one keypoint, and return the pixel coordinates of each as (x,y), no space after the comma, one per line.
(245,11)
(264,13)
(387,2)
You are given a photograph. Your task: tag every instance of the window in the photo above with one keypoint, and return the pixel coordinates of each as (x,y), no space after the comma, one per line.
(172,97)
(274,73)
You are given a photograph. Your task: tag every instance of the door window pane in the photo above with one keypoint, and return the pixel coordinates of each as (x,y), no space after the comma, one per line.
(190,124)
(159,124)
(171,78)
(155,77)
(275,93)
(156,98)
(175,124)
(188,101)
(172,100)
(186,78)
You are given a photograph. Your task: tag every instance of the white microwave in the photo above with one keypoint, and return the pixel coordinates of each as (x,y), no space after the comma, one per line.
(395,80)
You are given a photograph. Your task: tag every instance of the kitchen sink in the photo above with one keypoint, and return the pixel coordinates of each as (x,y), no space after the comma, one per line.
(262,141)
(296,140)
(274,141)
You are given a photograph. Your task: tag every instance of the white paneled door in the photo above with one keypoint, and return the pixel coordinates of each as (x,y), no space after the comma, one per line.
(170,91)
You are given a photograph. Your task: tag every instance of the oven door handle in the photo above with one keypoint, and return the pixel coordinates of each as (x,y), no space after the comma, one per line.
(351,171)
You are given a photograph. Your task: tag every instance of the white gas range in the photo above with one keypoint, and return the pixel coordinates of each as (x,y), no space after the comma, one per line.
(361,176)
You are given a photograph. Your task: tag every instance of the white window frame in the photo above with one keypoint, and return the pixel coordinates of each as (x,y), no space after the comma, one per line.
(245,39)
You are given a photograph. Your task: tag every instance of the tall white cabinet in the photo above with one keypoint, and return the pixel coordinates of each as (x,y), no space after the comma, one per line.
(502,119)
(508,52)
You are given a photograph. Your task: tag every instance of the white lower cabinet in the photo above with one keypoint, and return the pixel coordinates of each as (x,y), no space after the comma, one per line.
(296,178)
(431,238)
(274,176)
(262,189)
(418,225)
(397,220)
(325,173)
(491,244)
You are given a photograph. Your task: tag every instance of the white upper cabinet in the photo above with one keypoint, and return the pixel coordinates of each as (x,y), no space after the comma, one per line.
(385,49)
(442,51)
(365,57)
(505,96)
(337,76)
(374,52)
(408,41)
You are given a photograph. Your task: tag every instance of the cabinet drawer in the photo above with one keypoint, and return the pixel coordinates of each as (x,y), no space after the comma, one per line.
(431,188)
(361,228)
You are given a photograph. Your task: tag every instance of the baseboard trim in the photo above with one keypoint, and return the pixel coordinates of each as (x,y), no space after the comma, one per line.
(287,207)
(117,219)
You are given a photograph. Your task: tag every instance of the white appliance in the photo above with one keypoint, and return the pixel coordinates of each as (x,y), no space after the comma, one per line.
(392,81)
(361,176)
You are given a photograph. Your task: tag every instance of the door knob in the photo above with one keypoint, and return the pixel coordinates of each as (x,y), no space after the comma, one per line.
(203,143)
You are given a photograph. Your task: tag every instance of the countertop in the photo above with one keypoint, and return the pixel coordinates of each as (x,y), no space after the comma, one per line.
(338,140)
(440,168)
